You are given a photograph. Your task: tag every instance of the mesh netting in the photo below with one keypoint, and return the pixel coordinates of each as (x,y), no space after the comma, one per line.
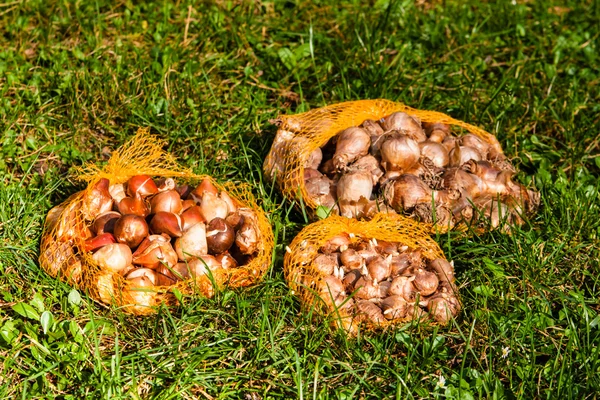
(304,278)
(67,227)
(299,135)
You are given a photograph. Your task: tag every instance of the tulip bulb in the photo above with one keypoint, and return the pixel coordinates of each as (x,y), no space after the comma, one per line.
(105,223)
(114,257)
(165,184)
(155,250)
(227,261)
(142,185)
(117,192)
(247,237)
(167,201)
(205,186)
(131,230)
(134,205)
(96,200)
(99,241)
(192,243)
(142,277)
(219,236)
(191,217)
(166,222)
(213,207)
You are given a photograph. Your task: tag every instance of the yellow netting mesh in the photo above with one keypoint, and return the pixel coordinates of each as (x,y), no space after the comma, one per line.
(304,279)
(299,135)
(66,228)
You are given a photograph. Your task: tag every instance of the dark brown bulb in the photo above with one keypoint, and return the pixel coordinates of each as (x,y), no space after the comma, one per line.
(131,230)
(219,236)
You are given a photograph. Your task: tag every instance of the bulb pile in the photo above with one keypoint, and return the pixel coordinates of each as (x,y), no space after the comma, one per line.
(400,165)
(156,233)
(376,282)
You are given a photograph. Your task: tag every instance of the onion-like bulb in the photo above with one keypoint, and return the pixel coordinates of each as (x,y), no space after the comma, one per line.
(402,122)
(395,307)
(399,152)
(475,142)
(354,185)
(436,152)
(372,127)
(337,243)
(461,154)
(443,307)
(482,169)
(369,310)
(351,259)
(407,191)
(426,282)
(379,269)
(368,164)
(352,143)
(314,159)
(325,263)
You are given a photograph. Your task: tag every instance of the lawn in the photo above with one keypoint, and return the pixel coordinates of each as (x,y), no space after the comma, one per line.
(78,78)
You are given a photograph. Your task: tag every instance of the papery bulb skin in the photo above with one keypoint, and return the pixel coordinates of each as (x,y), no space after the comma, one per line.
(399,152)
(352,144)
(406,124)
(436,152)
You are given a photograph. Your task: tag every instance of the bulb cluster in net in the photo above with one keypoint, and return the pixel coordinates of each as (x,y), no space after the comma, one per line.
(157,233)
(378,282)
(399,165)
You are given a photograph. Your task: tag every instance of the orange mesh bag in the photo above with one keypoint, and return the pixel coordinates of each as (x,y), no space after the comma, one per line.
(68,233)
(300,136)
(375,273)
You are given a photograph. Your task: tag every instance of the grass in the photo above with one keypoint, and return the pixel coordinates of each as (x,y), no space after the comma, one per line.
(77,79)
